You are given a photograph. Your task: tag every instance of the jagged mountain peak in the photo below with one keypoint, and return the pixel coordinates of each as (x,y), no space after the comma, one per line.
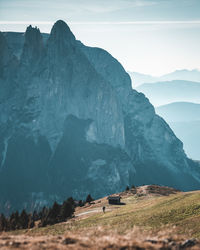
(61,31)
(33,46)
(60,24)
(32,34)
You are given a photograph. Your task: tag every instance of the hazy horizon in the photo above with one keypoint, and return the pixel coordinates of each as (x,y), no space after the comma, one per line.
(153,37)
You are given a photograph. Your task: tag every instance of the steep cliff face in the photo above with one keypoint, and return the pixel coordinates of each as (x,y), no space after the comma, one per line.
(72,125)
(41,154)
(157,153)
(68,84)
(8,67)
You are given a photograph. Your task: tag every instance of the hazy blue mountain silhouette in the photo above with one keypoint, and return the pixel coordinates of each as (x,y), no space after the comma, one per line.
(184,119)
(180,112)
(187,75)
(162,93)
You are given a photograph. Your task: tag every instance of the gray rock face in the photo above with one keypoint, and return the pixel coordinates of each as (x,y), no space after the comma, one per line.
(149,140)
(8,67)
(72,125)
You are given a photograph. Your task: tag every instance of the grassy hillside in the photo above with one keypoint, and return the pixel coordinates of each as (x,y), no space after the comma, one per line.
(180,210)
(151,212)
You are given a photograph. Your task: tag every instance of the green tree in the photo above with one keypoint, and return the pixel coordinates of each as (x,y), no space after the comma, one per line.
(3,223)
(24,220)
(52,217)
(89,198)
(71,200)
(66,211)
(14,221)
(31,222)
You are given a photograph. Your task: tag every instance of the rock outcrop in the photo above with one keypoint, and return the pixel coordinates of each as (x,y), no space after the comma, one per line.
(71,125)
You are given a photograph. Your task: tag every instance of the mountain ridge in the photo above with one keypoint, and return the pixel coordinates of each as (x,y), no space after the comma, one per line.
(162,93)
(73,117)
(184,75)
(180,111)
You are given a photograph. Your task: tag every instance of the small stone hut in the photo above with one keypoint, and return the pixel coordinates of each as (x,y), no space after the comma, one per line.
(114,199)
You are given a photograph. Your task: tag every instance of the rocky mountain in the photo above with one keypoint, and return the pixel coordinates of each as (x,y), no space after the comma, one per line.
(184,74)
(71,124)
(162,93)
(184,119)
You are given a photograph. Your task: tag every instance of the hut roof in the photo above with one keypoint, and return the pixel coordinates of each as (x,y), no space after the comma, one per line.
(114,197)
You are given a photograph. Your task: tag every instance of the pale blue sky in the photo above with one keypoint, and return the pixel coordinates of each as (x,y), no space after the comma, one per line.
(148,36)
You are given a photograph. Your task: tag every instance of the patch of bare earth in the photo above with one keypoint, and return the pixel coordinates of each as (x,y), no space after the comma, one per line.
(156,190)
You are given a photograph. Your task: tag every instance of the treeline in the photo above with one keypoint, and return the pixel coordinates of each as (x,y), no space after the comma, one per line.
(47,216)
(57,213)
(16,221)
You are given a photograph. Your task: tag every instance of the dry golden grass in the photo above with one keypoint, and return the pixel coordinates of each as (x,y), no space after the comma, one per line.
(151,219)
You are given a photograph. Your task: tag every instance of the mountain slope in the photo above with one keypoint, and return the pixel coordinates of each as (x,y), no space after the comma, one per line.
(153,154)
(72,125)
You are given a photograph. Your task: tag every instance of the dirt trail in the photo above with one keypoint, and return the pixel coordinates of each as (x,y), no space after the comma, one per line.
(97,210)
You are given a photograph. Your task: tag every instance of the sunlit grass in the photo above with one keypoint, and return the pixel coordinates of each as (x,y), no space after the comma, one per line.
(180,211)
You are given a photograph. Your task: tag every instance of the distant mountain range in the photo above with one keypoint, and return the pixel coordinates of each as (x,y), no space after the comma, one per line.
(162,93)
(184,119)
(180,111)
(187,75)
